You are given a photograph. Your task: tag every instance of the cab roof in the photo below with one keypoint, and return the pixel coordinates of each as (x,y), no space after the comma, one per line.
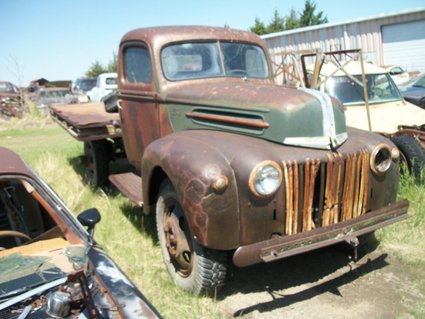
(158,36)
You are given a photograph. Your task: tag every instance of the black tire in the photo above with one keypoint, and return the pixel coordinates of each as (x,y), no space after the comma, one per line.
(97,155)
(412,153)
(193,268)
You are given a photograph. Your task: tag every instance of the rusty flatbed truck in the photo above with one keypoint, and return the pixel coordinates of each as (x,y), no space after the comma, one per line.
(230,163)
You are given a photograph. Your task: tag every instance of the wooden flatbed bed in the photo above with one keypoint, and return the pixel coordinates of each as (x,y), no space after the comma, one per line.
(87,121)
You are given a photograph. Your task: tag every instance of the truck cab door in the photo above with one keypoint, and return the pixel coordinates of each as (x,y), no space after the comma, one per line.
(138,105)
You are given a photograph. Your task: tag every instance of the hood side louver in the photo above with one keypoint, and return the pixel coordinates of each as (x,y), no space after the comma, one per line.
(233,121)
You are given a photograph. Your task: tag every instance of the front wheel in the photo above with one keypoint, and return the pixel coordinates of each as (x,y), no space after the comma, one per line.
(194,268)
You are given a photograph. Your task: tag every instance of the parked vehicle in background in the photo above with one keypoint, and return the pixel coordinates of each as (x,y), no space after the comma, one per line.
(398,75)
(385,112)
(48,96)
(414,92)
(10,100)
(105,84)
(84,84)
(50,266)
(388,109)
(231,163)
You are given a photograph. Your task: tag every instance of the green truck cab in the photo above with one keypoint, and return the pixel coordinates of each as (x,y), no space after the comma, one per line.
(233,164)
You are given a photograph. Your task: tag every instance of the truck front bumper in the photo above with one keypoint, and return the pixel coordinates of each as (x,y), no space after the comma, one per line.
(285,246)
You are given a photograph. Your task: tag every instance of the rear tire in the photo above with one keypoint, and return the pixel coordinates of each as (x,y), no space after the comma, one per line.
(412,153)
(97,155)
(193,267)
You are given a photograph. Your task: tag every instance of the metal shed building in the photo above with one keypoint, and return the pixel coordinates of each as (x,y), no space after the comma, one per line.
(393,38)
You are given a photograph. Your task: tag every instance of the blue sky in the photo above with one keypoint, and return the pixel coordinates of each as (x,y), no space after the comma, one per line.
(59,40)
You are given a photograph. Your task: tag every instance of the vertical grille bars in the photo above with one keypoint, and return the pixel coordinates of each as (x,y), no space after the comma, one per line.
(344,195)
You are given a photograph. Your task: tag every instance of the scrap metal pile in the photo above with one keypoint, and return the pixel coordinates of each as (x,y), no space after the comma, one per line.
(10,101)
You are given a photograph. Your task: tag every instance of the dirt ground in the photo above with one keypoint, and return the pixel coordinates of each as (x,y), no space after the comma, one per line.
(324,284)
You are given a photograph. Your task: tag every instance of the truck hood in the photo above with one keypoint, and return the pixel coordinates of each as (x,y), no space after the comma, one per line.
(299,117)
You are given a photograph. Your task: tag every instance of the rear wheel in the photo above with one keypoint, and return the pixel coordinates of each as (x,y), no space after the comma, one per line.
(97,155)
(412,153)
(193,267)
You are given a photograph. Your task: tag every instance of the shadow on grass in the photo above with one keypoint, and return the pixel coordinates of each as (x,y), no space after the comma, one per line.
(281,300)
(294,271)
(77,165)
(145,224)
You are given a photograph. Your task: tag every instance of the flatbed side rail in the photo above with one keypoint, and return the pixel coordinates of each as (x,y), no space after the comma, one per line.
(86,122)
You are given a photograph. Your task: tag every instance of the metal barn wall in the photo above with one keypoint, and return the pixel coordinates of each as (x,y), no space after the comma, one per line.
(365,34)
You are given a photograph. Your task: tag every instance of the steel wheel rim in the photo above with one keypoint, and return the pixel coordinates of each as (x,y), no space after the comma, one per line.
(176,240)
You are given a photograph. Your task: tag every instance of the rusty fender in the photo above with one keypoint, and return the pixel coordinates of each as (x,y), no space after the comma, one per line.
(285,246)
(192,166)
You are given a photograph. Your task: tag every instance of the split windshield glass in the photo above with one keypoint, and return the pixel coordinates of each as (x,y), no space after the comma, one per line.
(195,60)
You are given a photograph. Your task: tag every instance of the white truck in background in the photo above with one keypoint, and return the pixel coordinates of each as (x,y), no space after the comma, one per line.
(106,83)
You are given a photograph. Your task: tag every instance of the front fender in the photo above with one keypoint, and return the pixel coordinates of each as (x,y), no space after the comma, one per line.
(192,165)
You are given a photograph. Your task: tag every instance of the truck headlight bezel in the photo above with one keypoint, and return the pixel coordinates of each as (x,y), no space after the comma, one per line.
(265,179)
(381,159)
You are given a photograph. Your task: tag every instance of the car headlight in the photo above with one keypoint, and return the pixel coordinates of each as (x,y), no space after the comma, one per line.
(380,159)
(265,178)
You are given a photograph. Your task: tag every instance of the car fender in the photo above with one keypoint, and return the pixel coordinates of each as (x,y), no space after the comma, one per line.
(192,166)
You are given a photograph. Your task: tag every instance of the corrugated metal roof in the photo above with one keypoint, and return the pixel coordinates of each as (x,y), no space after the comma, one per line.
(331,25)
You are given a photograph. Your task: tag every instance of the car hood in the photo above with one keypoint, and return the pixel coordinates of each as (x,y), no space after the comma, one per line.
(45,271)
(41,264)
(413,92)
(298,117)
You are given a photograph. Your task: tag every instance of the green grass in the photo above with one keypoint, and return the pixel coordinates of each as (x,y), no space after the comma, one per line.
(406,239)
(129,236)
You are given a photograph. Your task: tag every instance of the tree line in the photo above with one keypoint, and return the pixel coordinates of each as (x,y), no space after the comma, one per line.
(292,20)
(97,68)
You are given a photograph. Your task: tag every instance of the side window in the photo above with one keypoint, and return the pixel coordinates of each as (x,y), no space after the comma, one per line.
(137,65)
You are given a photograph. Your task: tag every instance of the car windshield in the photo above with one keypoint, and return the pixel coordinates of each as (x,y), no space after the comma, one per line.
(380,89)
(87,84)
(195,60)
(58,93)
(420,82)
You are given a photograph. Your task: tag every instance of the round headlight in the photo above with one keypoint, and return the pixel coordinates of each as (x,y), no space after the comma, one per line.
(265,178)
(380,160)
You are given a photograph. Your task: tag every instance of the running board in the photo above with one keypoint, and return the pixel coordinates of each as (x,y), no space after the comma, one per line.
(130,185)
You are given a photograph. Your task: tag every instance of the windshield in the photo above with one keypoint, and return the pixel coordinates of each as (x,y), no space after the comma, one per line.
(420,82)
(87,84)
(197,60)
(380,89)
